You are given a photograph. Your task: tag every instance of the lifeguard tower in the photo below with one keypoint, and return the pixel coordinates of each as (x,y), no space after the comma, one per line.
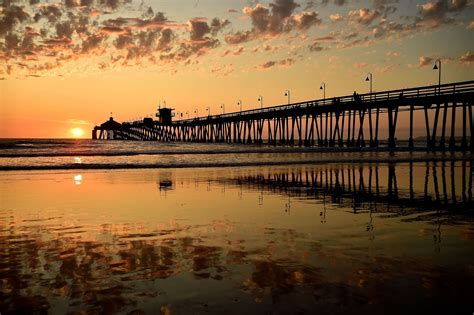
(165,115)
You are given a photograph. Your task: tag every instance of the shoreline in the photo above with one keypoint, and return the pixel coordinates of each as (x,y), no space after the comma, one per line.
(340,160)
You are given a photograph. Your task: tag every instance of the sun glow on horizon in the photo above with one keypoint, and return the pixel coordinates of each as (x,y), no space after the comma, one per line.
(77,132)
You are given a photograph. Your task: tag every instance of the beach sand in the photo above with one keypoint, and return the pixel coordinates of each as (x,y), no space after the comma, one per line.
(329,238)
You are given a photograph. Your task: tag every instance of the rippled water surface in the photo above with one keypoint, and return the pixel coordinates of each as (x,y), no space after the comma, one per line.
(329,238)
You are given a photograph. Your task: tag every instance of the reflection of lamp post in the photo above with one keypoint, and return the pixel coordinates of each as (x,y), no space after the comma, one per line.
(223,108)
(196,112)
(437,66)
(323,87)
(260,99)
(240,104)
(369,78)
(287,93)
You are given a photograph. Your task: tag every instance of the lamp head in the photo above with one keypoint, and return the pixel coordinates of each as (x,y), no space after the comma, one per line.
(286,93)
(367,79)
(321,87)
(435,66)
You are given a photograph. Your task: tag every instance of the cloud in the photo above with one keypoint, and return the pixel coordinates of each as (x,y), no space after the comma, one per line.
(467,58)
(384,69)
(281,63)
(223,70)
(393,54)
(424,61)
(12,16)
(199,29)
(336,2)
(335,17)
(217,25)
(306,20)
(363,16)
(272,21)
(360,65)
(41,39)
(388,28)
(238,37)
(315,47)
(458,5)
(385,7)
(436,13)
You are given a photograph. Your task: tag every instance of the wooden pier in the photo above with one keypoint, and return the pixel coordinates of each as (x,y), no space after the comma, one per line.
(346,121)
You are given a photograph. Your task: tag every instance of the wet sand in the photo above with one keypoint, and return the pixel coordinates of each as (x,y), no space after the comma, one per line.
(326,238)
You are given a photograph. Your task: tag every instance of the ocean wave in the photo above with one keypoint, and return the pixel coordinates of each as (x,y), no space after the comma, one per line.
(312,161)
(230,150)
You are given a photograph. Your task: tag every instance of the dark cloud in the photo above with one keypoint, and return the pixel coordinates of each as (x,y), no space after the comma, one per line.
(273,21)
(315,47)
(199,29)
(281,63)
(50,12)
(217,25)
(12,16)
(436,13)
(238,37)
(458,5)
(72,3)
(386,7)
(92,43)
(166,39)
(388,28)
(336,2)
(64,29)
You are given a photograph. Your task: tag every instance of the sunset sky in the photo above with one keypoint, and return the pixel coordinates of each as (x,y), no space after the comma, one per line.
(69,64)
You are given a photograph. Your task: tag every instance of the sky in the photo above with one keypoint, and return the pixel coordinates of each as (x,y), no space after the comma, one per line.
(69,64)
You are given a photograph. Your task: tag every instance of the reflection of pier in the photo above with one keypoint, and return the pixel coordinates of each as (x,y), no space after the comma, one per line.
(432,186)
(347,121)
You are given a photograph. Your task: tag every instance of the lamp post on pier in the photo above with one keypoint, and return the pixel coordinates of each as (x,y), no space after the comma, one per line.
(287,93)
(223,108)
(437,66)
(369,78)
(240,104)
(260,99)
(323,87)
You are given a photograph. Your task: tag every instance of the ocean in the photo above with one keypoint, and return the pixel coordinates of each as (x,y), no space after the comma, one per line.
(124,227)
(44,154)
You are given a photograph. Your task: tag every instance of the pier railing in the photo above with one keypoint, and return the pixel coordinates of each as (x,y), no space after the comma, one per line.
(406,95)
(345,121)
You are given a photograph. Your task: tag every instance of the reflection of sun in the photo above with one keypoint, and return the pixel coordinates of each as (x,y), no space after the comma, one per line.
(77,132)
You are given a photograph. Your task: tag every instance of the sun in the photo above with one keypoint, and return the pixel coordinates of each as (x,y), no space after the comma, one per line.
(77,132)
